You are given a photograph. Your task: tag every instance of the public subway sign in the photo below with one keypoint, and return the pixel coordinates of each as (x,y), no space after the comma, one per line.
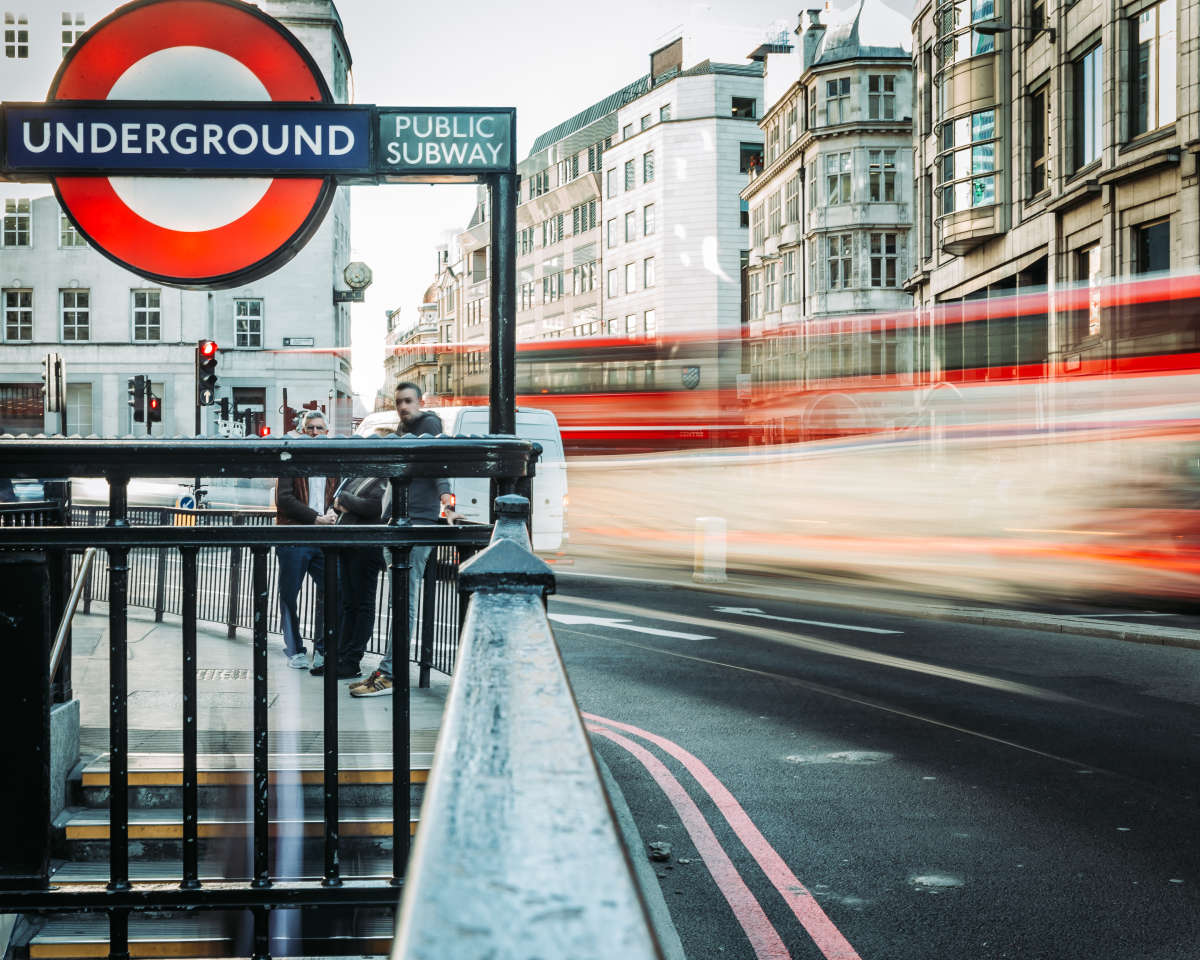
(445,141)
(196,142)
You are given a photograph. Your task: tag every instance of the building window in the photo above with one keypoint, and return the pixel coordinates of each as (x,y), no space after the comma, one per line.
(758,226)
(248,322)
(791,191)
(75,311)
(568,169)
(881,97)
(755,296)
(631,325)
(1088,99)
(612,233)
(18,315)
(927,216)
(648,166)
(630,175)
(1038,147)
(837,178)
(525,240)
(664,113)
(1152,247)
(627,131)
(791,122)
(651,328)
(750,157)
(812,107)
(648,272)
(79,407)
(770,286)
(630,277)
(956,41)
(18,223)
(147,315)
(596,156)
(645,122)
(583,217)
(1152,94)
(16,36)
(742,108)
(68,236)
(837,100)
(1088,270)
(883,260)
(73,27)
(812,186)
(882,176)
(774,215)
(539,183)
(648,219)
(552,229)
(611,179)
(790,291)
(612,282)
(840,259)
(967,162)
(630,226)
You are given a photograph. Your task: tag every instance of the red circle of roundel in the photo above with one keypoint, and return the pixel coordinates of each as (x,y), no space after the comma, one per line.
(276,227)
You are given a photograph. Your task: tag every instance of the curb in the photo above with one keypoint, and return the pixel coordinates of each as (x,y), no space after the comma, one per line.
(647,883)
(1073,625)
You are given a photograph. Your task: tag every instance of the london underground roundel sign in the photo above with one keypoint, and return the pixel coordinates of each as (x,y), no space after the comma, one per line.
(192,230)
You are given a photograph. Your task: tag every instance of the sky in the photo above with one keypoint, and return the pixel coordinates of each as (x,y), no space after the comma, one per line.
(543,58)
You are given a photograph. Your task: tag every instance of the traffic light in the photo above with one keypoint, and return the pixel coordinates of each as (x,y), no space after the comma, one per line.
(264,430)
(137,398)
(206,372)
(224,401)
(52,382)
(154,408)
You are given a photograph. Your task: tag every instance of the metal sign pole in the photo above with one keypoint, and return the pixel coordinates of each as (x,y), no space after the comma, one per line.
(502,393)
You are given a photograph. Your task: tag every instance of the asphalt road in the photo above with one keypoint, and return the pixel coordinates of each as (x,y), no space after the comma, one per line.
(927,790)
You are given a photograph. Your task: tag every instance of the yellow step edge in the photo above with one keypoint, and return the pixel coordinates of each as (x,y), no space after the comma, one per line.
(230,778)
(174,831)
(98,950)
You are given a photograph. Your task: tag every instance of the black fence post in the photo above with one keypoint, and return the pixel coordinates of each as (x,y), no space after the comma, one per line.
(160,582)
(428,616)
(25,619)
(235,587)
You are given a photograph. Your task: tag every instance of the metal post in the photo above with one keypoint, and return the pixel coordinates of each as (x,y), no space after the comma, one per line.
(503,301)
(428,617)
(235,587)
(25,714)
(191,793)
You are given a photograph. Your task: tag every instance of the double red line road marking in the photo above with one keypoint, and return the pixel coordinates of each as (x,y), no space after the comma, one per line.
(767,943)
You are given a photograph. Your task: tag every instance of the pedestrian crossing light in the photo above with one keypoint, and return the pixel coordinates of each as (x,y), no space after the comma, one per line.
(206,372)
(137,398)
(154,408)
(264,430)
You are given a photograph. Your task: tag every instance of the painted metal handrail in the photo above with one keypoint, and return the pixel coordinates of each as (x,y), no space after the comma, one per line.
(64,625)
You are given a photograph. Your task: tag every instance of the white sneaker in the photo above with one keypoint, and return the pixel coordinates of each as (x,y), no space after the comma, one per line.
(299,661)
(318,662)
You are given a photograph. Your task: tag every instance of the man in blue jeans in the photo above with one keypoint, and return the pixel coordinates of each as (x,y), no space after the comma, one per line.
(426,498)
(304,500)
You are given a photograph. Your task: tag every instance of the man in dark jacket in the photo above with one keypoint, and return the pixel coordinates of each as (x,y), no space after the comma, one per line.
(427,497)
(302,500)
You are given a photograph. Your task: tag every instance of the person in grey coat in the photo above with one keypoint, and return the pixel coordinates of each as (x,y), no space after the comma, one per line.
(427,497)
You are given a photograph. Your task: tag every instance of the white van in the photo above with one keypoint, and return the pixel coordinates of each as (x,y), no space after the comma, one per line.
(471,494)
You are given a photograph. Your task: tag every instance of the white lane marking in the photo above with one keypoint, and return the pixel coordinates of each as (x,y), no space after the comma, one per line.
(570,620)
(1090,616)
(755,612)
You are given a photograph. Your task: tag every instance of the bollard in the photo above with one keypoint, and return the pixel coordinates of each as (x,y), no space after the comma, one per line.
(709,563)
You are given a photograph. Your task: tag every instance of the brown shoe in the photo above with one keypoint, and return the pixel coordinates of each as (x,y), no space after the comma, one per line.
(376,685)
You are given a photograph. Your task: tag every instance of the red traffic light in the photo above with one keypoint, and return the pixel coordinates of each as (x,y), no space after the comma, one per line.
(264,431)
(207,347)
(154,403)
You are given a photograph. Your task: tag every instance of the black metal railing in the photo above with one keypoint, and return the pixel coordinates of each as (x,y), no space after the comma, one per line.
(225,584)
(26,562)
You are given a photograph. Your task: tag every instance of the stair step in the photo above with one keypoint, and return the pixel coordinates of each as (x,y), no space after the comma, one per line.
(214,935)
(166,769)
(171,870)
(167,824)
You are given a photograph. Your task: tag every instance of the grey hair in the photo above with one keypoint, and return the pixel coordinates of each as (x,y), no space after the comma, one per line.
(307,415)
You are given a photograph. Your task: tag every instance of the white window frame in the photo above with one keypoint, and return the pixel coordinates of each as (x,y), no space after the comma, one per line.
(80,313)
(16,36)
(18,222)
(881,96)
(839,260)
(648,220)
(243,339)
(140,314)
(631,277)
(18,314)
(648,273)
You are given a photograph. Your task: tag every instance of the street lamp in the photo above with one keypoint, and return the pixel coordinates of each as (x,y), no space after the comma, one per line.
(989,28)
